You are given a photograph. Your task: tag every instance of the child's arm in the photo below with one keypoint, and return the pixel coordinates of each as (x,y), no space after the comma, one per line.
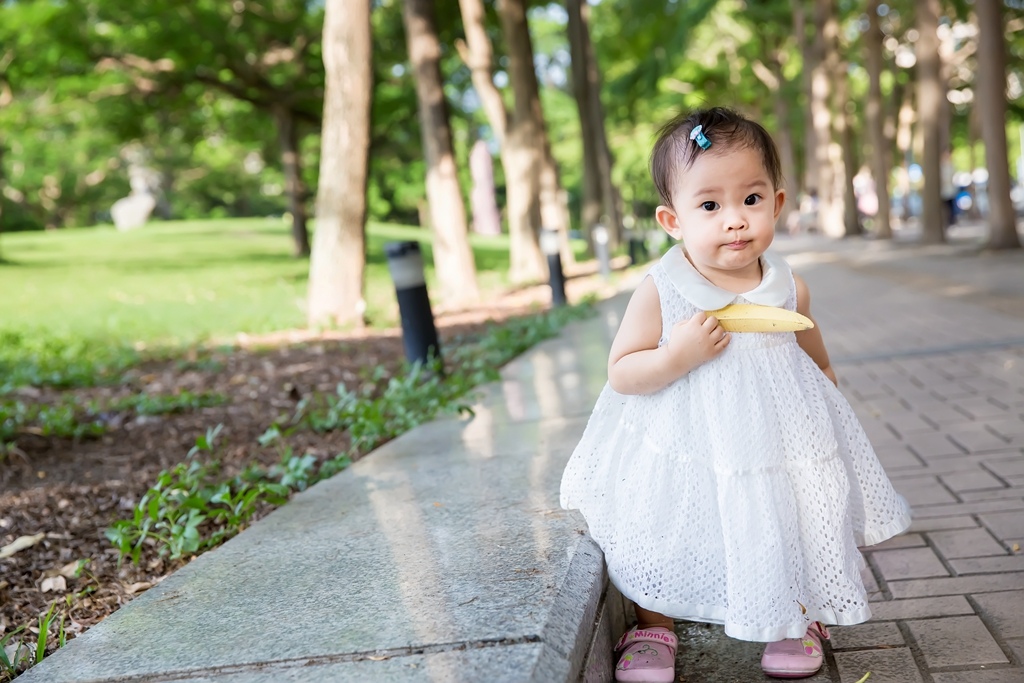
(811,340)
(636,365)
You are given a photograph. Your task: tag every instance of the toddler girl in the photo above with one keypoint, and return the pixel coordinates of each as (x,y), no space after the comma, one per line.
(724,476)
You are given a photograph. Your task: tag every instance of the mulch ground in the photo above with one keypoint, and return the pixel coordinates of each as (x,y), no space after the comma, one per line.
(71,491)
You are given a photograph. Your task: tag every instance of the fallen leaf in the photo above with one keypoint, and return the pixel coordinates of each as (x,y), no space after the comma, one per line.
(54,583)
(377,659)
(865,677)
(138,587)
(1016,547)
(72,570)
(20,543)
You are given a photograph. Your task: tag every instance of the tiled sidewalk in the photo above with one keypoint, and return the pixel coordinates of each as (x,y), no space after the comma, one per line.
(939,385)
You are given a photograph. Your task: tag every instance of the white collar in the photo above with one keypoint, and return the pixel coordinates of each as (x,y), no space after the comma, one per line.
(699,291)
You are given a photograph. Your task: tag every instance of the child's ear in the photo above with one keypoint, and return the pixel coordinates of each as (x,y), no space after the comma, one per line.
(780,201)
(669,221)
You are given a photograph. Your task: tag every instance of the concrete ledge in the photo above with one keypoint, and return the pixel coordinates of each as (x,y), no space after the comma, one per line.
(443,556)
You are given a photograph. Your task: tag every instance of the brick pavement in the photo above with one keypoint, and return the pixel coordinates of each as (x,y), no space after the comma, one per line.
(938,382)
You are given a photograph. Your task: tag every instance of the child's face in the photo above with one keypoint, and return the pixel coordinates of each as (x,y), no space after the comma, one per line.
(724,209)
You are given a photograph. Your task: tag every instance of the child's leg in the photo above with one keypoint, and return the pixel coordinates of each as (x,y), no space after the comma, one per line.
(647,619)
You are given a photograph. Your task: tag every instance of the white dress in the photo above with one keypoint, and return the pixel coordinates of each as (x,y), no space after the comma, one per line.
(739,493)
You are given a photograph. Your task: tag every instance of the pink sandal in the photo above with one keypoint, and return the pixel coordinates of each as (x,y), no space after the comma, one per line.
(648,655)
(796,657)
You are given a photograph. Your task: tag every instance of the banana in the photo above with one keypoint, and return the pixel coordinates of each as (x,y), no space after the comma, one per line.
(752,318)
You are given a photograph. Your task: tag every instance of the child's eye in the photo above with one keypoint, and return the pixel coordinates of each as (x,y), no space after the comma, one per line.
(752,199)
(709,206)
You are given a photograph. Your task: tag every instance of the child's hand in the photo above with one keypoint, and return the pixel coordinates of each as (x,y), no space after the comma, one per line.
(695,341)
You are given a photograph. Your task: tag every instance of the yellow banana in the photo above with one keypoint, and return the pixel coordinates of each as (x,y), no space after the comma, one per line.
(752,318)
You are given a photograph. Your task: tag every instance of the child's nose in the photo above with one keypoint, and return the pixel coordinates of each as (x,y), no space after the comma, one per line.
(734,219)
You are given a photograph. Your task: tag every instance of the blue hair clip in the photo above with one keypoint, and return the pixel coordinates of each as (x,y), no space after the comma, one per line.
(698,135)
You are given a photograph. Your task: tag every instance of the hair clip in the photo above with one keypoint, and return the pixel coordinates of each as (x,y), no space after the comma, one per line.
(699,136)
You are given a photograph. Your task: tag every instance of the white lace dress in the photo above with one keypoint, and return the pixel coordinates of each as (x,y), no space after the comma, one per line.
(738,494)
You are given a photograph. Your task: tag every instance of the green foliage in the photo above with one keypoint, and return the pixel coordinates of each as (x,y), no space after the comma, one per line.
(25,657)
(188,511)
(381,410)
(168,285)
(70,421)
(162,404)
(60,420)
(58,361)
(191,508)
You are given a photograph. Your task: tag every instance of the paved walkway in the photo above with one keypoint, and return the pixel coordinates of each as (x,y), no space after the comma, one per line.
(937,377)
(444,556)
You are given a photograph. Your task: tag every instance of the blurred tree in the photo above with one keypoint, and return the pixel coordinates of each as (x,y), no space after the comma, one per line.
(453,259)
(809,56)
(600,196)
(991,79)
(846,165)
(264,53)
(338,262)
(930,97)
(873,51)
(554,211)
(770,23)
(525,144)
(519,158)
(826,59)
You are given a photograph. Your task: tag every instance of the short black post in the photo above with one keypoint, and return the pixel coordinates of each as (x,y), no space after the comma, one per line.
(600,234)
(637,248)
(419,335)
(550,245)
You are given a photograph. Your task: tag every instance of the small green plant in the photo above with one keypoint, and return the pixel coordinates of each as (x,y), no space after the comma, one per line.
(294,471)
(10,666)
(380,410)
(42,360)
(60,420)
(25,657)
(162,404)
(189,511)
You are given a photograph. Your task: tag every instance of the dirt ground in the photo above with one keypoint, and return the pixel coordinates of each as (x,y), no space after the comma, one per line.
(71,491)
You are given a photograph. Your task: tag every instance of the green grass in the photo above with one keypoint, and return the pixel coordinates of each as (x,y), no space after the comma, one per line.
(185,282)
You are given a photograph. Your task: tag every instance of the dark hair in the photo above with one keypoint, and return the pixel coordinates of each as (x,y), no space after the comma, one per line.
(724,128)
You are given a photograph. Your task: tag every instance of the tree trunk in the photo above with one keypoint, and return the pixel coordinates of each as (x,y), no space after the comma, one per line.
(587,88)
(288,139)
(876,121)
(453,259)
(517,155)
(992,103)
(905,143)
(929,99)
(826,33)
(529,141)
(486,217)
(611,200)
(810,63)
(338,262)
(847,166)
(477,53)
(3,182)
(784,137)
(591,205)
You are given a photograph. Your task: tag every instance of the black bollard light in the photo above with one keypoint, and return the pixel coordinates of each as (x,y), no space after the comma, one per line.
(419,335)
(637,248)
(549,244)
(600,235)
